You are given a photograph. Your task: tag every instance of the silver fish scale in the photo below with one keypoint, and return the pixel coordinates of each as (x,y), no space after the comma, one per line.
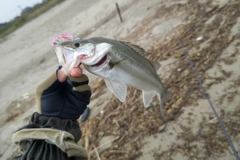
(135,68)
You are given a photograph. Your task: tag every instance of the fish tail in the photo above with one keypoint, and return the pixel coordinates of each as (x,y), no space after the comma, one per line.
(148,95)
(162,98)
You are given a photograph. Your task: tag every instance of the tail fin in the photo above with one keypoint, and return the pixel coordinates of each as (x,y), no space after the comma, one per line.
(162,98)
(147,97)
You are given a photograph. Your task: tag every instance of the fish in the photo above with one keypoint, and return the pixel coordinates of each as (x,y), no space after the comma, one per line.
(120,64)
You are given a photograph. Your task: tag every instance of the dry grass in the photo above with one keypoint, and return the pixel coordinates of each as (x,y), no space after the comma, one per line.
(130,122)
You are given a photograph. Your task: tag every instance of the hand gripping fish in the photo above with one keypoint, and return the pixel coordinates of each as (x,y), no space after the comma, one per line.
(121,64)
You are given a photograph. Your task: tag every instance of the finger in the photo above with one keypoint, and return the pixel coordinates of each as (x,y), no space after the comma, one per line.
(61,75)
(76,72)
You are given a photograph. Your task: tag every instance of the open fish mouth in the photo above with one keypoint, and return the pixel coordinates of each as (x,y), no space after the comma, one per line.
(101,61)
(93,55)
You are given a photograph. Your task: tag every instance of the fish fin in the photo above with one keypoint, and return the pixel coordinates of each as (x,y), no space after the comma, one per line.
(138,49)
(162,99)
(113,64)
(147,97)
(142,52)
(119,89)
(156,65)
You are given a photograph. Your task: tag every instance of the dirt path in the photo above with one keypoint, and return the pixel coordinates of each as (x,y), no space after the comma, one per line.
(189,130)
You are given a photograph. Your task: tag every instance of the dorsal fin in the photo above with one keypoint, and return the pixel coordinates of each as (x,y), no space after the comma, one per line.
(142,52)
(138,49)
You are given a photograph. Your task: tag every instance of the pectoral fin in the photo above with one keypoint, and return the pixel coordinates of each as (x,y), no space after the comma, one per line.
(119,89)
(147,97)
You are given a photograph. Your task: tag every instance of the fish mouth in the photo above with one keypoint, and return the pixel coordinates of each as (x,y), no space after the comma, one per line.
(82,57)
(101,61)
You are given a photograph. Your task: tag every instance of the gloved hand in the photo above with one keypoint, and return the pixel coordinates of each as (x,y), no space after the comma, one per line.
(64,96)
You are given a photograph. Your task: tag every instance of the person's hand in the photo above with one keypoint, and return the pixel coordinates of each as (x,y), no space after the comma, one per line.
(75,72)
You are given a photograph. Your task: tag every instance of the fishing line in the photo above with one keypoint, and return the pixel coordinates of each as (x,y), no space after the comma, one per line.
(205,93)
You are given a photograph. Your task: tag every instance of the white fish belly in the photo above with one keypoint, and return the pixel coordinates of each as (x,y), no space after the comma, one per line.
(133,76)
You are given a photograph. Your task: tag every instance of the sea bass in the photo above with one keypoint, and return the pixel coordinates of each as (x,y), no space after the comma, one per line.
(121,64)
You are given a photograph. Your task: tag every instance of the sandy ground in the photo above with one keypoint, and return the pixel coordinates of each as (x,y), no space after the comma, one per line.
(26,58)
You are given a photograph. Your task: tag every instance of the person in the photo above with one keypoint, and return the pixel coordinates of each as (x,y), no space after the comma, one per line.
(53,131)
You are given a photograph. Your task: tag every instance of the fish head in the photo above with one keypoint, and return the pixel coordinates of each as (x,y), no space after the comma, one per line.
(87,52)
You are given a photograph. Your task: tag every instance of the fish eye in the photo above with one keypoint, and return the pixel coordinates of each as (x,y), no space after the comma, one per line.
(76,45)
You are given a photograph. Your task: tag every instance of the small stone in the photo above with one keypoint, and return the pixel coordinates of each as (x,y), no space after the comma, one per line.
(18,105)
(212,121)
(26,95)
(162,128)
(204,118)
(199,38)
(180,70)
